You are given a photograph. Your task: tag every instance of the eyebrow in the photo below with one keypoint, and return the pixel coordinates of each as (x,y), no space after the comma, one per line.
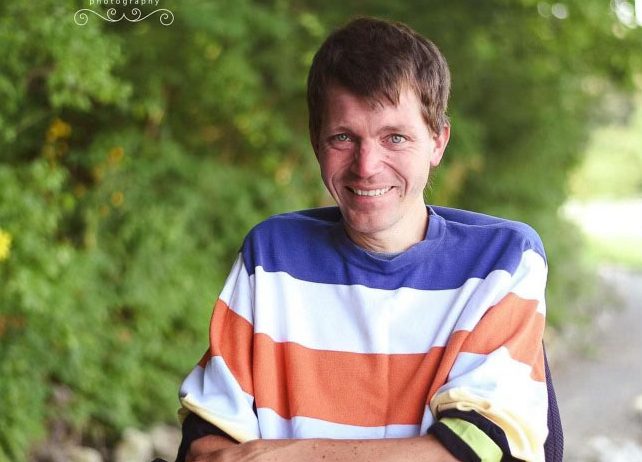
(385,128)
(339,128)
(397,128)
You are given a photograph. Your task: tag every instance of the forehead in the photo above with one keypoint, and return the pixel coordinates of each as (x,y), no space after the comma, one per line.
(343,107)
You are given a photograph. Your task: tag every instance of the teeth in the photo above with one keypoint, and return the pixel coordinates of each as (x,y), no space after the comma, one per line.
(371,192)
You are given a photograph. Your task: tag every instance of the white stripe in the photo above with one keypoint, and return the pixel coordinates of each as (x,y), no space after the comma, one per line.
(427,421)
(529,280)
(238,291)
(273,426)
(499,378)
(215,395)
(360,319)
(354,318)
(502,390)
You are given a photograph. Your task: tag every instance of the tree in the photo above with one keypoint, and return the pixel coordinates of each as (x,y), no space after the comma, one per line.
(134,156)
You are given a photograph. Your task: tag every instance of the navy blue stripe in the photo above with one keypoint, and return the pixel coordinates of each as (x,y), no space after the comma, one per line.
(312,246)
(554,445)
(451,441)
(491,429)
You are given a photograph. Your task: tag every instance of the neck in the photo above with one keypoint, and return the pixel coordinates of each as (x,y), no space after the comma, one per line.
(396,239)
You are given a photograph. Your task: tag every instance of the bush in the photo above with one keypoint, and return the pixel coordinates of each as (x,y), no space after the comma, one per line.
(134,158)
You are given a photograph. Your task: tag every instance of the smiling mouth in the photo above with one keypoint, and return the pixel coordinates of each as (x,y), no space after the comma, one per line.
(370,192)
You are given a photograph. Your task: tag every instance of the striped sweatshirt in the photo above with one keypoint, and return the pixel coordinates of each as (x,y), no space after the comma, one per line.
(313,337)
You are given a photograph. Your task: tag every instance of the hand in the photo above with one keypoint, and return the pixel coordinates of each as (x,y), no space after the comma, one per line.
(252,451)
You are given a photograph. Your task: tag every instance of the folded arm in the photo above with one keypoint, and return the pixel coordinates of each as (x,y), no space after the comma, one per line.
(204,442)
(220,449)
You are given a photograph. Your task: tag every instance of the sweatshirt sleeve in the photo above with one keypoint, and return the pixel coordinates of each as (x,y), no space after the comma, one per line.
(493,405)
(220,388)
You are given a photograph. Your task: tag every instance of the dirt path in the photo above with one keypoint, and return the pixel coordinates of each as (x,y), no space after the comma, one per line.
(597,387)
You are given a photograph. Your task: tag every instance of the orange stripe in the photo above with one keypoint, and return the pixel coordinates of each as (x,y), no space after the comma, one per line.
(448,357)
(514,323)
(362,389)
(231,338)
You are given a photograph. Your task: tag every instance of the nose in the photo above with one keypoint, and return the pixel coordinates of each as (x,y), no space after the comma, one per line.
(367,160)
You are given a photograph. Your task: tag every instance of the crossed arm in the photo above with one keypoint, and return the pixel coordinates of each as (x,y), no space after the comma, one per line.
(221,449)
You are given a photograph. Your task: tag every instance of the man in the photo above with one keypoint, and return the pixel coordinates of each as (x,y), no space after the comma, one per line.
(381,329)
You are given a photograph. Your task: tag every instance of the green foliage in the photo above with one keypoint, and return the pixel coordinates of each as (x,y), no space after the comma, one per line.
(625,251)
(612,164)
(134,157)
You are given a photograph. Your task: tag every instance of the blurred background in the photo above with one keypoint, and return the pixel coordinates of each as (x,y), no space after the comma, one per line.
(135,155)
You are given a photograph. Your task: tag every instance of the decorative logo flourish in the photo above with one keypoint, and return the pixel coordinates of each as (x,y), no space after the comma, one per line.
(166,16)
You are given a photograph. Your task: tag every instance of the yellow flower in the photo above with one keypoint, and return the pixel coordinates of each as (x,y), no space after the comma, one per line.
(116,155)
(117,199)
(58,129)
(5,245)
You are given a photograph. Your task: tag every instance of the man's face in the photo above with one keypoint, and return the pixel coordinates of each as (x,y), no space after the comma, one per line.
(375,161)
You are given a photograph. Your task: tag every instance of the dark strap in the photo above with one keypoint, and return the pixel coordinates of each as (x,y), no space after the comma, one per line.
(554,445)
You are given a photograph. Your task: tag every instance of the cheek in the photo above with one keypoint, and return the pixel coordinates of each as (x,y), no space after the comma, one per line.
(329,174)
(418,181)
(332,166)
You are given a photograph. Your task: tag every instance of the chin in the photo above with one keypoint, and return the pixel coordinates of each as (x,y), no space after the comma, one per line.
(368,227)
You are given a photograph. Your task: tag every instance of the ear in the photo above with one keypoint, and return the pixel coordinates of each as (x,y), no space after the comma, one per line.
(441,141)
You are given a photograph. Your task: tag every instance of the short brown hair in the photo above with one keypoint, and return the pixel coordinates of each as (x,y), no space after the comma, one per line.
(375,59)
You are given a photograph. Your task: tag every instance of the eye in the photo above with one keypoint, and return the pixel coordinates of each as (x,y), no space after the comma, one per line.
(397,139)
(342,137)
